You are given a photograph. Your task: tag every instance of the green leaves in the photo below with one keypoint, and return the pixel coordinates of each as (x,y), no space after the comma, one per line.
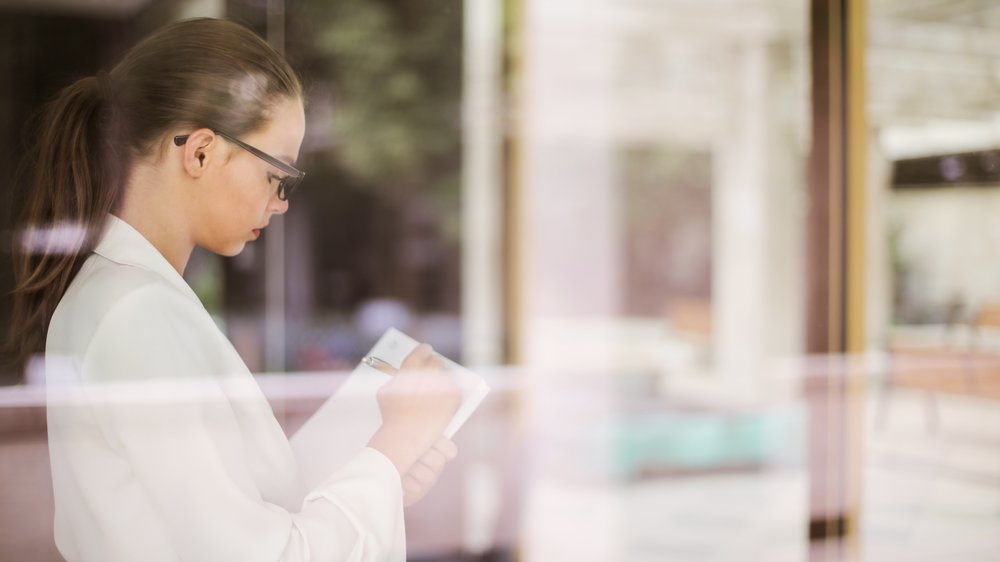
(395,69)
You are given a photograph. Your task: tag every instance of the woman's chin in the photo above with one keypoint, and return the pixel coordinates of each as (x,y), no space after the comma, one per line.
(230,250)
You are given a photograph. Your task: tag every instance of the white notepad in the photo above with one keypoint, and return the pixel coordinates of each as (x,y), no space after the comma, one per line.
(344,424)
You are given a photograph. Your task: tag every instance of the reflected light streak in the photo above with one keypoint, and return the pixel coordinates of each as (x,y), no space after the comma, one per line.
(64,237)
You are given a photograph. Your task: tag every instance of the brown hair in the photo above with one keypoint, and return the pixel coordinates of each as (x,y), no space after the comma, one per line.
(201,72)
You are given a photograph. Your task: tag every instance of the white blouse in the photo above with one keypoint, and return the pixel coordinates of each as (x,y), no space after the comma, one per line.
(163,446)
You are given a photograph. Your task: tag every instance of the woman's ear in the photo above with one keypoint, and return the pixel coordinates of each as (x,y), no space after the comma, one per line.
(198,152)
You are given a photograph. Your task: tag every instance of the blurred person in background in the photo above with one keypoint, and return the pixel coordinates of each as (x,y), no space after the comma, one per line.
(189,141)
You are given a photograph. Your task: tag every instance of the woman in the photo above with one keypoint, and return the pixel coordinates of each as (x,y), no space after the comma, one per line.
(162,445)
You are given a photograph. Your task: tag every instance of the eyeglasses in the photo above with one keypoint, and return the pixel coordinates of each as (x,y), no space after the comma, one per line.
(286,185)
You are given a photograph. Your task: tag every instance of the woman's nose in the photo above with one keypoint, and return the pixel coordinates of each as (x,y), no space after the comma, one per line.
(279,206)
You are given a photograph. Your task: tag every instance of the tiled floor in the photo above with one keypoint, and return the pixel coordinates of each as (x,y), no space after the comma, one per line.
(929,496)
(934,494)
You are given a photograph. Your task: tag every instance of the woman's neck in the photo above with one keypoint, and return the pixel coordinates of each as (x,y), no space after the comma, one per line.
(154,209)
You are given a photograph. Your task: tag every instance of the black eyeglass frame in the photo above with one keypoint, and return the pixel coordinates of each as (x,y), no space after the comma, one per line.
(286,184)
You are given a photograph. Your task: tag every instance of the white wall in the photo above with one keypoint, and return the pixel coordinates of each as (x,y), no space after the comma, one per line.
(603,74)
(950,238)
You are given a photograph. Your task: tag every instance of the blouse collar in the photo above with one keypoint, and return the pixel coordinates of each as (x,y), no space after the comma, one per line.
(123,244)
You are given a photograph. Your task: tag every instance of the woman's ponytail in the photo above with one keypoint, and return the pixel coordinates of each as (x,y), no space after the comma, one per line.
(72,184)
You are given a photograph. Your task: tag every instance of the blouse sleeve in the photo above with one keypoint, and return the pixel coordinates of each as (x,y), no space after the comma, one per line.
(175,429)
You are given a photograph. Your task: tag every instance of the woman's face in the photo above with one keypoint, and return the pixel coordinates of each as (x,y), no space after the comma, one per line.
(243,193)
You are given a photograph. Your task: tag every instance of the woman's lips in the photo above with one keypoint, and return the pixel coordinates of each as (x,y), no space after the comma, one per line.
(256,233)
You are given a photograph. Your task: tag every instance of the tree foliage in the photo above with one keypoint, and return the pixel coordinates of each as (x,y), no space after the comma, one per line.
(393,68)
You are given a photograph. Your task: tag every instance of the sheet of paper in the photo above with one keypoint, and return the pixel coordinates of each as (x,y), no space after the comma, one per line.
(342,426)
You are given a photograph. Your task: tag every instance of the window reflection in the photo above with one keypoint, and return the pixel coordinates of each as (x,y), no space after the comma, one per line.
(601,205)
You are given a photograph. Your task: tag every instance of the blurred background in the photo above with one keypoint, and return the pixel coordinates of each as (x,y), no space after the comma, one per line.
(732,267)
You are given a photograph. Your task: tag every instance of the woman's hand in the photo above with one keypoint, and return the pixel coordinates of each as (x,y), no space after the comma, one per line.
(416,405)
(425,472)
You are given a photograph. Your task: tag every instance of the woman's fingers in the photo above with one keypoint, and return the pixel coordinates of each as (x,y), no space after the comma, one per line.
(438,456)
(419,357)
(424,473)
(423,357)
(413,491)
(446,447)
(434,460)
(417,482)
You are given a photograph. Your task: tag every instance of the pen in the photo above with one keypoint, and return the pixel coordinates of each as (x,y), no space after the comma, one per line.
(382,364)
(379,364)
